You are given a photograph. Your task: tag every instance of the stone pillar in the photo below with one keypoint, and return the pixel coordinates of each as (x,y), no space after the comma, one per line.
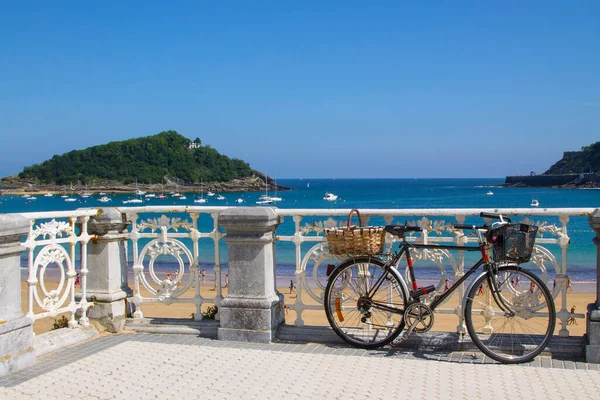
(16,330)
(252,310)
(107,277)
(592,350)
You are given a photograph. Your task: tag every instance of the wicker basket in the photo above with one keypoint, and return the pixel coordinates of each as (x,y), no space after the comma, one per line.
(355,239)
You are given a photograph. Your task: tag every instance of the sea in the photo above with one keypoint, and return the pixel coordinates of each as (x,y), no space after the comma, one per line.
(370,193)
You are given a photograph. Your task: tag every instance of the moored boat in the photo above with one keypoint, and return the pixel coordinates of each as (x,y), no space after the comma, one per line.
(330,196)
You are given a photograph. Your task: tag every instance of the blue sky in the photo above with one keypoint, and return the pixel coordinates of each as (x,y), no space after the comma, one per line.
(307,89)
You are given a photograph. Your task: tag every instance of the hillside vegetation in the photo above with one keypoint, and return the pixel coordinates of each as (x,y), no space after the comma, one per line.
(576,162)
(147,159)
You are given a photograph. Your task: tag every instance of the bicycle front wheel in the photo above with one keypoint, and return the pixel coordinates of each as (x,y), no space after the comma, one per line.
(514,324)
(364,302)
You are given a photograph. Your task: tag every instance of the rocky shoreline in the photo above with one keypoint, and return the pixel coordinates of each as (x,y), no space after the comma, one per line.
(11,186)
(585,185)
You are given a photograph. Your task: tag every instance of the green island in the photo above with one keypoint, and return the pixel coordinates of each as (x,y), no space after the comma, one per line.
(151,162)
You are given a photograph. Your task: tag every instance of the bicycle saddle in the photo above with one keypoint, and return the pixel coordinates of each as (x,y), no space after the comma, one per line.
(400,230)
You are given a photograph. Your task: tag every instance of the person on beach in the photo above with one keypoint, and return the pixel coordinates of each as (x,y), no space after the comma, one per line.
(569,284)
(532,287)
(226,280)
(446,285)
(203,274)
(292,286)
(215,283)
(480,291)
(77,281)
(572,320)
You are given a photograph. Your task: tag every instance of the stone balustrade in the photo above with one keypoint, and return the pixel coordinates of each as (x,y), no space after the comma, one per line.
(101,264)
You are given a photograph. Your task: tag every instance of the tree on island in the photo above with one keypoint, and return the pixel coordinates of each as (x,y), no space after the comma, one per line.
(146,159)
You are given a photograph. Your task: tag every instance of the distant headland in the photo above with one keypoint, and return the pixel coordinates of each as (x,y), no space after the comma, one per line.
(576,169)
(155,163)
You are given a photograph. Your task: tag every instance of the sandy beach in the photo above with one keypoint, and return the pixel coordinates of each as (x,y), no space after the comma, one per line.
(580,297)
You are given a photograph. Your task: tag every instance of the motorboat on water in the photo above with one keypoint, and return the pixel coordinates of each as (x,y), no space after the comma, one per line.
(330,196)
(220,197)
(211,194)
(200,200)
(490,193)
(239,201)
(161,196)
(70,199)
(264,202)
(133,201)
(104,199)
(48,195)
(535,203)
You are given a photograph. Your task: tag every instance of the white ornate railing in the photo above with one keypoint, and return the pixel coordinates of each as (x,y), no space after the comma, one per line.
(175,232)
(51,250)
(437,224)
(160,231)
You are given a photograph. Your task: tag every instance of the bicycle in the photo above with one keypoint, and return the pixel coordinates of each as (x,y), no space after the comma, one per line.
(509,311)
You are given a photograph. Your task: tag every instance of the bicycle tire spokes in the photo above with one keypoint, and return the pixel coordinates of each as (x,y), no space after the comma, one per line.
(359,314)
(514,321)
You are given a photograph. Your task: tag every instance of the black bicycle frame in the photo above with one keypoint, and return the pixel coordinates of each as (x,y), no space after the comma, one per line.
(405,250)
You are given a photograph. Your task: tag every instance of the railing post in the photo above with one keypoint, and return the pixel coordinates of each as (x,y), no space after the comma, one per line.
(107,277)
(592,351)
(252,310)
(16,330)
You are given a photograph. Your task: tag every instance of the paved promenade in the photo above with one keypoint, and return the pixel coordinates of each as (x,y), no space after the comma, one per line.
(145,366)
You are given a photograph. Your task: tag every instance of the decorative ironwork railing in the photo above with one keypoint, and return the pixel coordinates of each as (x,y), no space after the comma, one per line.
(54,275)
(311,263)
(190,237)
(173,233)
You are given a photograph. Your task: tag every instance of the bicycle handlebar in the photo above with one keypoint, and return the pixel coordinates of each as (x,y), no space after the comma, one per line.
(467,226)
(494,216)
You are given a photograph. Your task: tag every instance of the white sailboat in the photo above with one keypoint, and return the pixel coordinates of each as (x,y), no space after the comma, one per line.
(138,192)
(86,193)
(201,199)
(265,198)
(535,203)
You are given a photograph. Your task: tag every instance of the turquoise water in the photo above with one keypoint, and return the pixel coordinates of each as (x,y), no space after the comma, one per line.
(380,193)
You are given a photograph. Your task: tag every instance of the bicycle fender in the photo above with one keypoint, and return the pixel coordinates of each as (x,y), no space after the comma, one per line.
(465,297)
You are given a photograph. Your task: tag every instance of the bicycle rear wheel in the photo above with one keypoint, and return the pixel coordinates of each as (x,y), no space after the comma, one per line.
(364,302)
(515,324)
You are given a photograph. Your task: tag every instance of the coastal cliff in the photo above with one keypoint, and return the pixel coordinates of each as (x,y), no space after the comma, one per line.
(576,169)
